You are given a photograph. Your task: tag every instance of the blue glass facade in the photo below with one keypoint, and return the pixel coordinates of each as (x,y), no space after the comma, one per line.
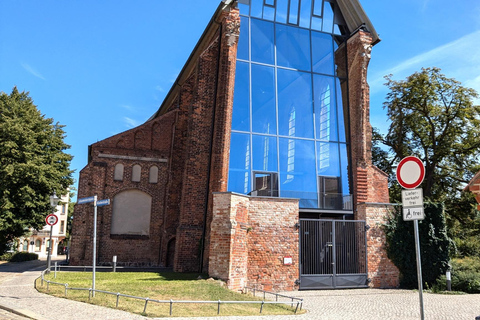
(288,128)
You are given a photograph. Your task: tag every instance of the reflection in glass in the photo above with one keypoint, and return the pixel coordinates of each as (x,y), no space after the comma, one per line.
(263,100)
(297,170)
(293,47)
(322,53)
(241,109)
(341,117)
(239,171)
(305,13)
(344,169)
(262,41)
(264,153)
(325,110)
(328,160)
(282,9)
(242,49)
(256,8)
(293,12)
(295,103)
(327,17)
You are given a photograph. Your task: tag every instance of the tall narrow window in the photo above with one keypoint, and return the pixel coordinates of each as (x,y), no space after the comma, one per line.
(153,175)
(118,174)
(38,245)
(62,227)
(136,173)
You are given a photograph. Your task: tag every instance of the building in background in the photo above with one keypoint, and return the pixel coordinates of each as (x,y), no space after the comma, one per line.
(257,166)
(37,241)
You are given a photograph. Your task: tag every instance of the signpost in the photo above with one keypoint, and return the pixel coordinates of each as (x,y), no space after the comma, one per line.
(410,174)
(96,204)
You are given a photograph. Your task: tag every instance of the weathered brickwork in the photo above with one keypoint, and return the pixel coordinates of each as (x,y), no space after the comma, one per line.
(192,137)
(195,225)
(382,272)
(250,237)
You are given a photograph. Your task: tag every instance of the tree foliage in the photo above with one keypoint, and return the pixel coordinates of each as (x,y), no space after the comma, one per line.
(33,164)
(434,118)
(435,246)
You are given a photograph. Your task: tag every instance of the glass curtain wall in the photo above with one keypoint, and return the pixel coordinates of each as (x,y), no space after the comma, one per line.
(288,128)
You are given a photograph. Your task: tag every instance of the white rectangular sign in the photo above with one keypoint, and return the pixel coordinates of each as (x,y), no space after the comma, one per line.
(412,198)
(410,214)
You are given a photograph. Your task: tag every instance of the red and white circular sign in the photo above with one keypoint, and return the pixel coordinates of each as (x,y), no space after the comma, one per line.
(410,172)
(51,219)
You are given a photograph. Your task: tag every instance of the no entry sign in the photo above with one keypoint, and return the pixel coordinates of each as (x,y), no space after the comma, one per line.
(410,172)
(51,219)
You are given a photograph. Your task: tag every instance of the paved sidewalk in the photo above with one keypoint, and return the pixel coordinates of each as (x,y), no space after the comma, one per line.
(17,294)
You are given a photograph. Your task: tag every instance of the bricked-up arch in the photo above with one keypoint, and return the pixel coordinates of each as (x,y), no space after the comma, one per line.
(118,174)
(131,213)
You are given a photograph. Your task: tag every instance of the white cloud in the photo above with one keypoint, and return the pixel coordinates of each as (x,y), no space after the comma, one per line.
(159,88)
(459,59)
(131,123)
(127,107)
(32,71)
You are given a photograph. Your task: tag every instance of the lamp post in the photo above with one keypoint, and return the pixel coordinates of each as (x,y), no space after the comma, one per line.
(53,203)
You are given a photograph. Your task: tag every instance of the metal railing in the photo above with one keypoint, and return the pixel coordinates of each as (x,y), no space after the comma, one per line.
(294,302)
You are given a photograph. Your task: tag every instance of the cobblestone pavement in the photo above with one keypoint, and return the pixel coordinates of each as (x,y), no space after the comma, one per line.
(17,294)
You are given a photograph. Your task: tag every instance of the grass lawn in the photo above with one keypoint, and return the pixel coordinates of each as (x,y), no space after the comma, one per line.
(159,286)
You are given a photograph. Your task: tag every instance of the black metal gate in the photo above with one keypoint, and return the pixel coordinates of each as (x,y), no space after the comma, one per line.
(333,254)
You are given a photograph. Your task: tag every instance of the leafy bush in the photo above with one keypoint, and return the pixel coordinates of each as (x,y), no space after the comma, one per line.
(6,256)
(434,246)
(465,276)
(23,256)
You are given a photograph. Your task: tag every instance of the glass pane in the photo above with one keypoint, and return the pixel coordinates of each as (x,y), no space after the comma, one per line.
(328,159)
(242,50)
(256,8)
(239,181)
(265,185)
(305,13)
(270,2)
(241,98)
(282,9)
(240,151)
(295,110)
(297,171)
(293,47)
(317,8)
(316,23)
(244,8)
(262,41)
(263,100)
(325,108)
(342,133)
(327,17)
(269,13)
(264,153)
(344,169)
(293,12)
(239,172)
(322,53)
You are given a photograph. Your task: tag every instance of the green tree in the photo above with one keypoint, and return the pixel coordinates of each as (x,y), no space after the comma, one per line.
(33,164)
(434,118)
(435,246)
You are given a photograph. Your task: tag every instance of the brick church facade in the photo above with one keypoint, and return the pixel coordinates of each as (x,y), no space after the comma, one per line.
(168,179)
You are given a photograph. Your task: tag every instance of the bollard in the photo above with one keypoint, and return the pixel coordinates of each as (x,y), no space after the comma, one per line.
(449,280)
(55,272)
(114,260)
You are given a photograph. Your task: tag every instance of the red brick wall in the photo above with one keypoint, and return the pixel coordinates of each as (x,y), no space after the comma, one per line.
(382,272)
(193,135)
(250,238)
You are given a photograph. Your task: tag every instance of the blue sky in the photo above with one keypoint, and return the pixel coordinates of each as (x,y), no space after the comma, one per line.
(102,67)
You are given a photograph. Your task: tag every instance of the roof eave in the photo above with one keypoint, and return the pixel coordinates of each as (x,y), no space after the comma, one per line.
(355,17)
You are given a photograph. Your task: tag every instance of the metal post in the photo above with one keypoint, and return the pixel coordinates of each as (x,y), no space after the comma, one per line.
(49,256)
(419,268)
(55,273)
(94,243)
(449,280)
(114,260)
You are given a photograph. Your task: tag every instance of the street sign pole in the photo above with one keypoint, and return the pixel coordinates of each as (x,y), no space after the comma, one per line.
(410,174)
(419,268)
(94,243)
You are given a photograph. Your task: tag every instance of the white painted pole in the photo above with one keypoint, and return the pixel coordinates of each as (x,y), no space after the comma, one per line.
(94,262)
(419,268)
